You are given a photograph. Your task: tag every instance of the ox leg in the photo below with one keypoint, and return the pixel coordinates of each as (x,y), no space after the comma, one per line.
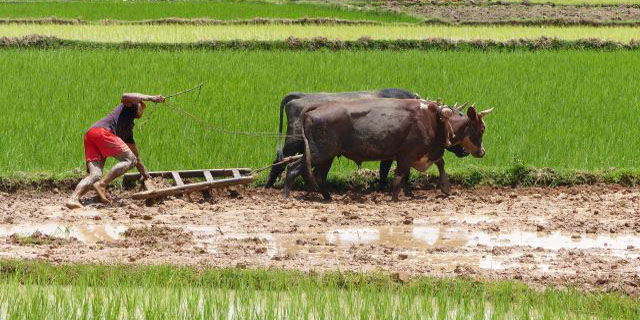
(275,172)
(321,177)
(406,182)
(401,170)
(293,170)
(385,166)
(290,148)
(445,185)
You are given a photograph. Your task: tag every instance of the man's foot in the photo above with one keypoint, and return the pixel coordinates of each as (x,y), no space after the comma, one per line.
(101,189)
(73,204)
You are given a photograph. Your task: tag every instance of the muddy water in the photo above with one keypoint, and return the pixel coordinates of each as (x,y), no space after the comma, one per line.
(451,237)
(85,233)
(416,241)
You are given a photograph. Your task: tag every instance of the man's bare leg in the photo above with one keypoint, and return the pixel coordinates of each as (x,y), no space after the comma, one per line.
(127,161)
(95,172)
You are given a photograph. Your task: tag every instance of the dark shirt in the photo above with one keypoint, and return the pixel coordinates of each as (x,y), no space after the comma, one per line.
(120,122)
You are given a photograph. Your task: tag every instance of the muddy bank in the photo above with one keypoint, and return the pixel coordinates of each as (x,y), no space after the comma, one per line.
(538,13)
(588,236)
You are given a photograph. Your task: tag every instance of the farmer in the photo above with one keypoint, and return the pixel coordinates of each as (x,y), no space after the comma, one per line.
(112,137)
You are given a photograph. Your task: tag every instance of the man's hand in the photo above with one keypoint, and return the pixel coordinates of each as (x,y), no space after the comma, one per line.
(131,99)
(157,99)
(144,174)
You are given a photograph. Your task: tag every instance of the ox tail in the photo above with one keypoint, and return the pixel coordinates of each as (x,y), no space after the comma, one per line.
(307,149)
(285,100)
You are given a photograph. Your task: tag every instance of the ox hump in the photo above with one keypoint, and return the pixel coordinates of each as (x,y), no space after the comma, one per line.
(428,105)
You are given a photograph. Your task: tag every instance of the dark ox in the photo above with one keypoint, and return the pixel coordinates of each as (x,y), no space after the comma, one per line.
(408,131)
(294,103)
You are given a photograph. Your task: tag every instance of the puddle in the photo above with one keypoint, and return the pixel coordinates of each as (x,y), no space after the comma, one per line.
(441,236)
(452,245)
(212,237)
(449,242)
(348,237)
(477,219)
(553,241)
(90,233)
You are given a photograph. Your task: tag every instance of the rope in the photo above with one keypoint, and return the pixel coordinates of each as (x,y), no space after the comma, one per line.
(210,126)
(198,87)
(213,127)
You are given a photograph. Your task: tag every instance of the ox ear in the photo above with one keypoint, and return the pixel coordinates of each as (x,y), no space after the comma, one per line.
(472,113)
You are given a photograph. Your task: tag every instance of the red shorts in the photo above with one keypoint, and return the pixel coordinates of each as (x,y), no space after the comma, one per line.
(100,143)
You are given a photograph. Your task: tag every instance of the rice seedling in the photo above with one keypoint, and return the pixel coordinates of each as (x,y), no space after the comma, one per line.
(191,33)
(219,10)
(39,290)
(560,109)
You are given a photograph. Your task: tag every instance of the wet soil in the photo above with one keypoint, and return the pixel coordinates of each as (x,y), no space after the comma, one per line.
(516,12)
(584,236)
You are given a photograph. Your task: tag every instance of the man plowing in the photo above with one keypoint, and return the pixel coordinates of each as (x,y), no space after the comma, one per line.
(112,137)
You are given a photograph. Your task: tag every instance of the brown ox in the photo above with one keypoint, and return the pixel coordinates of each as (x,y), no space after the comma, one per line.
(407,131)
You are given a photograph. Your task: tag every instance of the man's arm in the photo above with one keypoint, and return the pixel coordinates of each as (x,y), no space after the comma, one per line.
(139,165)
(131,99)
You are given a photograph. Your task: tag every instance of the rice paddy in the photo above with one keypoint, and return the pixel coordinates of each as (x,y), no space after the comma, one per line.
(558,109)
(38,290)
(219,10)
(565,110)
(190,33)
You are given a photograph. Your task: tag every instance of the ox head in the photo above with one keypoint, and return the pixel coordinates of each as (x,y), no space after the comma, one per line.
(469,130)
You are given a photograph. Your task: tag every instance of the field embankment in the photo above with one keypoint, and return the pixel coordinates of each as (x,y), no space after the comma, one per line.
(572,2)
(266,32)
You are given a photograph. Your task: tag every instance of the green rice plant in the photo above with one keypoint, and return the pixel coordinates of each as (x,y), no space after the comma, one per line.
(218,10)
(567,110)
(190,33)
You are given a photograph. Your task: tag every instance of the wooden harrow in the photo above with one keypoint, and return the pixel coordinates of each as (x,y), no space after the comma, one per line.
(213,178)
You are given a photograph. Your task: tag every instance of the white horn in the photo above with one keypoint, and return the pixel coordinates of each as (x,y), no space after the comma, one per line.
(460,108)
(484,112)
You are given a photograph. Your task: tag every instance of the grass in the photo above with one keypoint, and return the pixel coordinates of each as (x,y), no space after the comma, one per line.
(219,10)
(562,109)
(36,290)
(179,34)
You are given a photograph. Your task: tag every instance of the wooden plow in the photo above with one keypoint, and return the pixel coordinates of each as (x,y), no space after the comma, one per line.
(213,178)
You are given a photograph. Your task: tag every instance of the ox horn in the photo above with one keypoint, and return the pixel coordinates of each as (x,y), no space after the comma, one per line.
(460,108)
(484,112)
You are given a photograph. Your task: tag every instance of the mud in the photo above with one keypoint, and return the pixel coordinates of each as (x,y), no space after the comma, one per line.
(517,12)
(584,236)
